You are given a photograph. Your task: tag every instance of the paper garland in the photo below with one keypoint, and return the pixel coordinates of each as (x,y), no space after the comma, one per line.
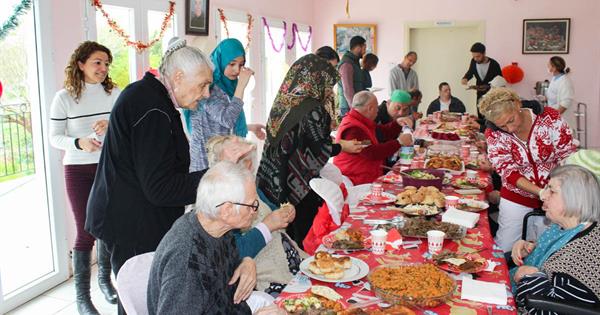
(13,20)
(295,32)
(250,25)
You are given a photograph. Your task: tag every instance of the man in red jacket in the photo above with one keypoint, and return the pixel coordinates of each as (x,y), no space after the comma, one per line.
(359,124)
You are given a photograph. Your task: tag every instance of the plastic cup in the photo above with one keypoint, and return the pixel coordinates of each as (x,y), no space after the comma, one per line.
(471,175)
(465,118)
(451,201)
(435,241)
(378,240)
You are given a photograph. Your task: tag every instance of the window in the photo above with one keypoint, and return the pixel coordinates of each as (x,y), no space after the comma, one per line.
(155,52)
(120,69)
(302,41)
(275,65)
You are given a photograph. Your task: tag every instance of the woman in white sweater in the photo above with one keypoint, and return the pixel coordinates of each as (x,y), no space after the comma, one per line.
(78,123)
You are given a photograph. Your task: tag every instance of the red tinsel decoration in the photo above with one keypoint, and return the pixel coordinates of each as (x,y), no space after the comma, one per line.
(250,24)
(513,73)
(138,45)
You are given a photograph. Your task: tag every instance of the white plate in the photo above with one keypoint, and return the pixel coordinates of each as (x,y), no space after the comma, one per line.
(359,270)
(385,198)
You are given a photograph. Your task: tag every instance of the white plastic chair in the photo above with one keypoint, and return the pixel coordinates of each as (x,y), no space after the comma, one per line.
(132,282)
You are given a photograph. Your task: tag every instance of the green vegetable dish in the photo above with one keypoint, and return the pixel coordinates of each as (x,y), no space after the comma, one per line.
(421,175)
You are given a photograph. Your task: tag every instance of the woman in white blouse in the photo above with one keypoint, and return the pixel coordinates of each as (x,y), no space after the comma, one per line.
(560,93)
(78,123)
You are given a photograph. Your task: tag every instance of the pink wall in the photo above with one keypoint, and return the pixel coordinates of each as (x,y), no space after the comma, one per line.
(503,28)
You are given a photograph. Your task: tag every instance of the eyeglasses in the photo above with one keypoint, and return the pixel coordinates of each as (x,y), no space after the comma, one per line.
(253,206)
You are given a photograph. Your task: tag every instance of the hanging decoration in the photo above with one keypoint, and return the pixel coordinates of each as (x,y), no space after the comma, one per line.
(138,45)
(295,32)
(13,20)
(513,73)
(250,25)
(271,37)
(348,8)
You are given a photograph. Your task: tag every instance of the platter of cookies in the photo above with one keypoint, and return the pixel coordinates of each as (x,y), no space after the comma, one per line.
(334,268)
(425,201)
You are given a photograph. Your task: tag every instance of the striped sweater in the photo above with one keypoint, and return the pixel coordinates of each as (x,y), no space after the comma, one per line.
(70,120)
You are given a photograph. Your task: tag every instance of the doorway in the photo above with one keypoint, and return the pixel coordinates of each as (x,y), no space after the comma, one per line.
(443,56)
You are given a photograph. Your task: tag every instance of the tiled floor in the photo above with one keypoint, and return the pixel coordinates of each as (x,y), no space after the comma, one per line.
(61,300)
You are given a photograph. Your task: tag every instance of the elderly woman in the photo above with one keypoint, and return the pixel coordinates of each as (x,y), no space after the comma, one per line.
(563,264)
(298,143)
(523,148)
(446,102)
(143,182)
(196,269)
(277,256)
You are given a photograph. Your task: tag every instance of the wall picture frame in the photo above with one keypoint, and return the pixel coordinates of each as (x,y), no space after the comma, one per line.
(196,17)
(342,33)
(546,36)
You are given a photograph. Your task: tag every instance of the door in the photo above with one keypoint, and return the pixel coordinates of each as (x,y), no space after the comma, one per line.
(32,257)
(444,56)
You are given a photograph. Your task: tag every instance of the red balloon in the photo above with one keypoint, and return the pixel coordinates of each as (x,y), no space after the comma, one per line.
(513,73)
(0,88)
(155,72)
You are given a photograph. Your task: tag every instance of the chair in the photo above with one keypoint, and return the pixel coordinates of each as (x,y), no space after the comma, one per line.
(534,213)
(569,308)
(132,283)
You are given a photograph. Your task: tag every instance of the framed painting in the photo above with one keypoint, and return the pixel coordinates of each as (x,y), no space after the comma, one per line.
(546,36)
(342,33)
(196,17)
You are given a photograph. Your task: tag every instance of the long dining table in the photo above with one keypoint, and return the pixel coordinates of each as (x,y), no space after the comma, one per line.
(478,239)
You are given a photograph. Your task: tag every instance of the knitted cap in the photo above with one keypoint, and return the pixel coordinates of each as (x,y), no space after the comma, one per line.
(589,159)
(400,96)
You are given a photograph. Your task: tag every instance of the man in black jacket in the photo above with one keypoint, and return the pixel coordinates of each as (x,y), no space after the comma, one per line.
(484,68)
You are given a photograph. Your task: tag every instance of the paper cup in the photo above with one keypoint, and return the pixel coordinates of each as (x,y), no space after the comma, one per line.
(451,202)
(376,190)
(435,241)
(471,175)
(465,118)
(378,240)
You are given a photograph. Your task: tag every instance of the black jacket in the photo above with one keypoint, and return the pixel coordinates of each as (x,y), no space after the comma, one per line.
(456,106)
(493,71)
(143,182)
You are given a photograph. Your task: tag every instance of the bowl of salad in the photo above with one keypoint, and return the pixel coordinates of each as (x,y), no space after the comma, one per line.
(419,177)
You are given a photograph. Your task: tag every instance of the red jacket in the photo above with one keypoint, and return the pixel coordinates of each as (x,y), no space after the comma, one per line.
(365,167)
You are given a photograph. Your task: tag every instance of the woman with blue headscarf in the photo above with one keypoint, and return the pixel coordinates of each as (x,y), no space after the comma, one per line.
(223,112)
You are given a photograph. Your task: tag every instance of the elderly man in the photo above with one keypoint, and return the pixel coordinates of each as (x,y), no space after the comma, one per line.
(359,124)
(142,183)
(196,268)
(352,76)
(403,77)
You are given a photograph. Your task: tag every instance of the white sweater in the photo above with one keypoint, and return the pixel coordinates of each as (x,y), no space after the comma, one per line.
(70,120)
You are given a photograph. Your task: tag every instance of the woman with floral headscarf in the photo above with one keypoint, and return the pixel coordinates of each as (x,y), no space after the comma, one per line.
(298,143)
(223,112)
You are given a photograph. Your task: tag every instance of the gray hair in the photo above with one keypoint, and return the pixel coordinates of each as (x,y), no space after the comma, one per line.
(224,182)
(217,144)
(580,191)
(179,56)
(361,99)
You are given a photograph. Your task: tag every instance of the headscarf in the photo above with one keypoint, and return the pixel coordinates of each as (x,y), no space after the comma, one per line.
(308,77)
(224,53)
(400,96)
(221,56)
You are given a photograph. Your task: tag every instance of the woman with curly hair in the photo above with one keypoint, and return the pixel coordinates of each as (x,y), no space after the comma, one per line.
(523,148)
(78,122)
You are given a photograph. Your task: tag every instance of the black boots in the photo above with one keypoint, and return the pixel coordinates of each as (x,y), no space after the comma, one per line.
(104,269)
(81,274)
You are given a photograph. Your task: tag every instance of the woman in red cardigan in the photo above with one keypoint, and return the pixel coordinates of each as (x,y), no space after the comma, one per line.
(523,148)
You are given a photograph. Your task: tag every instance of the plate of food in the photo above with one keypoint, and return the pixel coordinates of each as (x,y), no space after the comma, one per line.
(418,227)
(334,268)
(383,199)
(378,310)
(464,183)
(349,240)
(451,163)
(460,262)
(422,177)
(413,284)
(320,300)
(425,201)
(472,205)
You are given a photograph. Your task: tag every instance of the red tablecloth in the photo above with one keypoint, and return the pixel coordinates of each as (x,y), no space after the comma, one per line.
(477,239)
